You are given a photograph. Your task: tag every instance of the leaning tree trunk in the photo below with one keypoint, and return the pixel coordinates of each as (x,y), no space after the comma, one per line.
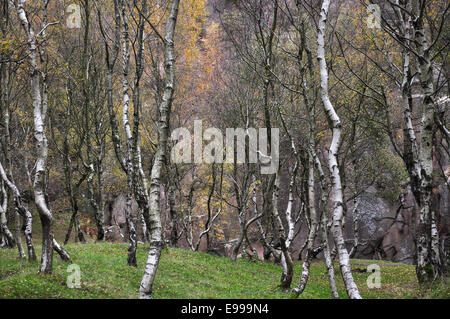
(24,213)
(4,104)
(61,251)
(335,124)
(5,232)
(7,151)
(156,243)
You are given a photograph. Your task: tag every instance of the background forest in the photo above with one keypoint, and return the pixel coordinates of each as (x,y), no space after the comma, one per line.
(90,92)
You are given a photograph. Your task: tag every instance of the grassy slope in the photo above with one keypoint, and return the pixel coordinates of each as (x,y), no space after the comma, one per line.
(185,274)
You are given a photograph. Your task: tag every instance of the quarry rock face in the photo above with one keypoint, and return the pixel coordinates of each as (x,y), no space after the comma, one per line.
(115,222)
(385,230)
(114,234)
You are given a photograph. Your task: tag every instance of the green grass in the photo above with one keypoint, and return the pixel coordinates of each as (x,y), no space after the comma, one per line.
(185,274)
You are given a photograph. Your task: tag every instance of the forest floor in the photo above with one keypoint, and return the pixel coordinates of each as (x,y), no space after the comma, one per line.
(187,274)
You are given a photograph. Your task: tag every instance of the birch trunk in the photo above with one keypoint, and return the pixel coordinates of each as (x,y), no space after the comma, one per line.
(292,221)
(100,135)
(4,103)
(212,218)
(72,194)
(160,156)
(242,220)
(313,220)
(173,217)
(41,145)
(268,249)
(410,147)
(241,194)
(139,178)
(99,213)
(5,232)
(129,138)
(60,250)
(18,235)
(110,59)
(428,251)
(6,139)
(24,213)
(314,224)
(335,124)
(325,227)
(286,259)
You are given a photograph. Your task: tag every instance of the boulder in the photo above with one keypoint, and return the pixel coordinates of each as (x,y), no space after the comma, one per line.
(385,230)
(114,234)
(115,221)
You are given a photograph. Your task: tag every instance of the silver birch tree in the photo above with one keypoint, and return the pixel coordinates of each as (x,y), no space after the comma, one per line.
(335,124)
(156,243)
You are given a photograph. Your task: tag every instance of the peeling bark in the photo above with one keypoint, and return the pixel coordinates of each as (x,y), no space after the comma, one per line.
(313,217)
(41,145)
(156,243)
(61,251)
(5,232)
(335,124)
(24,213)
(129,138)
(428,251)
(326,227)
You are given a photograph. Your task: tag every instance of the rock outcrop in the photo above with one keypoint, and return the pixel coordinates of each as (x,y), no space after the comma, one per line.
(115,222)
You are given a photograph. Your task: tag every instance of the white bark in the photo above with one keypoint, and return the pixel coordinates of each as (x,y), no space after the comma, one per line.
(335,124)
(286,259)
(314,225)
(18,236)
(160,156)
(4,231)
(129,137)
(428,253)
(24,213)
(139,178)
(41,144)
(325,227)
